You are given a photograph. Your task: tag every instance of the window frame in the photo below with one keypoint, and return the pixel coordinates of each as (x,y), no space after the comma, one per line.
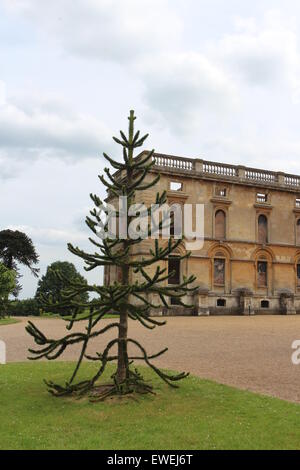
(223,259)
(259,215)
(217,210)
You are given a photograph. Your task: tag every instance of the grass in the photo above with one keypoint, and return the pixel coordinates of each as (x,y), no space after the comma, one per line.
(8,321)
(199,415)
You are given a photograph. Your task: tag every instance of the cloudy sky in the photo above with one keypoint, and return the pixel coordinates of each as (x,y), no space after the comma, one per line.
(207,78)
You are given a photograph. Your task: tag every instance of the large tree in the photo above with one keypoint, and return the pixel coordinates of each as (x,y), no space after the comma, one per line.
(17,248)
(57,278)
(126,297)
(7,285)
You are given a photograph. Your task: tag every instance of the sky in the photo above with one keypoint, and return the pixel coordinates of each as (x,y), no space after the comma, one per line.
(207,79)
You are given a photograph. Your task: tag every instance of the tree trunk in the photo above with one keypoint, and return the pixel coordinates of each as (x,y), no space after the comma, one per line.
(122,349)
(123,329)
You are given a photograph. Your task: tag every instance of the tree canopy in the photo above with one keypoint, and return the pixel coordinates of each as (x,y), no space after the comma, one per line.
(57,278)
(17,248)
(7,285)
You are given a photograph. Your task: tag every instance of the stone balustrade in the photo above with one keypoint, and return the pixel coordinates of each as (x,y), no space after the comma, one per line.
(234,172)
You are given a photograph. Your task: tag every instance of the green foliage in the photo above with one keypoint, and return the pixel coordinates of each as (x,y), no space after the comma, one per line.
(24,308)
(7,285)
(17,248)
(127,298)
(53,284)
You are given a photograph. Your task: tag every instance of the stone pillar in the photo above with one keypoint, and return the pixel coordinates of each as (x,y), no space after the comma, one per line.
(280,178)
(199,166)
(248,308)
(246,302)
(201,302)
(287,303)
(242,172)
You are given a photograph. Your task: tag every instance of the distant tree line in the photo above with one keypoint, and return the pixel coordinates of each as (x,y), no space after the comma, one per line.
(16,248)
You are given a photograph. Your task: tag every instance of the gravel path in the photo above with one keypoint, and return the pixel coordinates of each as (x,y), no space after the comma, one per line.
(252,353)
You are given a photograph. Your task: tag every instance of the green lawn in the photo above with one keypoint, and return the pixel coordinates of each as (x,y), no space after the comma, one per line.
(8,321)
(199,415)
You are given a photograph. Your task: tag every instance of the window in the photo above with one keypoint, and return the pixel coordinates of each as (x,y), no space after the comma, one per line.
(221,192)
(175,301)
(220,225)
(261,198)
(174,268)
(262,229)
(106,275)
(172,228)
(176,220)
(298,274)
(219,272)
(176,186)
(221,303)
(262,274)
(298,232)
(265,304)
(297,202)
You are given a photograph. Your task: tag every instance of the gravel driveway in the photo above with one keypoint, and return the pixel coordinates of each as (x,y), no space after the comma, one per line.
(252,353)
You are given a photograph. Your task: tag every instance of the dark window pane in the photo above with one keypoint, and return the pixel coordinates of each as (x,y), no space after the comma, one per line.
(174,265)
(298,275)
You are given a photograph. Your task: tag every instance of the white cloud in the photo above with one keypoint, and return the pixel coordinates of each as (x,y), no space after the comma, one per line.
(2,93)
(193,90)
(32,127)
(262,54)
(51,236)
(114,30)
(186,87)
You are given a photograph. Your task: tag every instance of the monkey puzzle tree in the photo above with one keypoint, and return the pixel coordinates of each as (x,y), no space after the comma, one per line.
(125,297)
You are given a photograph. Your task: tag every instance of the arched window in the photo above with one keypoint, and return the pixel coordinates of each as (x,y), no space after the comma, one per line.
(262,274)
(262,229)
(219,271)
(220,225)
(298,232)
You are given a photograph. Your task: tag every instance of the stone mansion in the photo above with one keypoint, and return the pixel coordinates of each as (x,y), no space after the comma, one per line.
(250,261)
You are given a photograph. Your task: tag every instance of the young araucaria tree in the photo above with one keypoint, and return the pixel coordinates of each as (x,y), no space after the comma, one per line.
(128,296)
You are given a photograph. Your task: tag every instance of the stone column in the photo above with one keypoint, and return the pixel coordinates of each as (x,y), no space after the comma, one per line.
(280,178)
(241,172)
(199,166)
(201,302)
(287,303)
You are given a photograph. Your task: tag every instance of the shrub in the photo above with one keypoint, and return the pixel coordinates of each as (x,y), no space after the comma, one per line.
(24,308)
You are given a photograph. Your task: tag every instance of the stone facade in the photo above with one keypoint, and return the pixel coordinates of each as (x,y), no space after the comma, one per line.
(250,261)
